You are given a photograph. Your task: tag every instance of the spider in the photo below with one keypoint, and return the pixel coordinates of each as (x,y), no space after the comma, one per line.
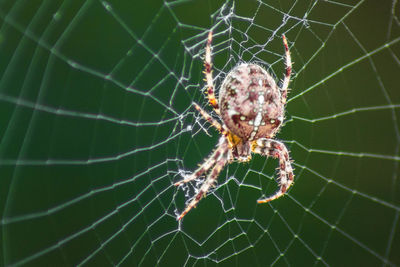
(251,107)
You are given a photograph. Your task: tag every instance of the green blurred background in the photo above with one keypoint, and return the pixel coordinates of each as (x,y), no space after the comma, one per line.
(96,125)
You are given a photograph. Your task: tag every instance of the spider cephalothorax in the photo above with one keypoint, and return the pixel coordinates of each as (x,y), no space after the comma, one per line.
(252,107)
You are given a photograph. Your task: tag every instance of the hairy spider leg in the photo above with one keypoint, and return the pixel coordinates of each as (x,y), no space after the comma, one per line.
(286,80)
(211,178)
(209,78)
(269,147)
(210,119)
(208,163)
(211,160)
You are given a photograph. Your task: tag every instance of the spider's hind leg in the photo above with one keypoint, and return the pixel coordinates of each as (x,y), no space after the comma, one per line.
(276,149)
(286,80)
(209,78)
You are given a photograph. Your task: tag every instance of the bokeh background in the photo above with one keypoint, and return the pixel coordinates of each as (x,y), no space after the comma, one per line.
(97,124)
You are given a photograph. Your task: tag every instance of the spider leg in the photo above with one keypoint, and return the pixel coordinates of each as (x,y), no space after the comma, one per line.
(208,163)
(209,78)
(276,149)
(286,80)
(210,119)
(211,178)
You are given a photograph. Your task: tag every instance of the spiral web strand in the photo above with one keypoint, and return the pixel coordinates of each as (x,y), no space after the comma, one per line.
(97,125)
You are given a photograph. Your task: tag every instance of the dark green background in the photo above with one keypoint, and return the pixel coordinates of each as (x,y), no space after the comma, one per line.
(96,123)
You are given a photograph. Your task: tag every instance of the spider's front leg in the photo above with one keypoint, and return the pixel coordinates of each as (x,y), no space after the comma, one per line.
(209,182)
(276,149)
(203,168)
(212,159)
(210,119)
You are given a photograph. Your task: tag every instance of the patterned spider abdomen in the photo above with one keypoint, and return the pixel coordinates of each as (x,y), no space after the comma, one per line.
(251,103)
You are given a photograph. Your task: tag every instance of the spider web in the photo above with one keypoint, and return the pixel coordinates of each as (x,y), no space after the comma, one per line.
(96,125)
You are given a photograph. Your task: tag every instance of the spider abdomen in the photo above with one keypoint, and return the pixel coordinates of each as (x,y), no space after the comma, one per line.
(250,102)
